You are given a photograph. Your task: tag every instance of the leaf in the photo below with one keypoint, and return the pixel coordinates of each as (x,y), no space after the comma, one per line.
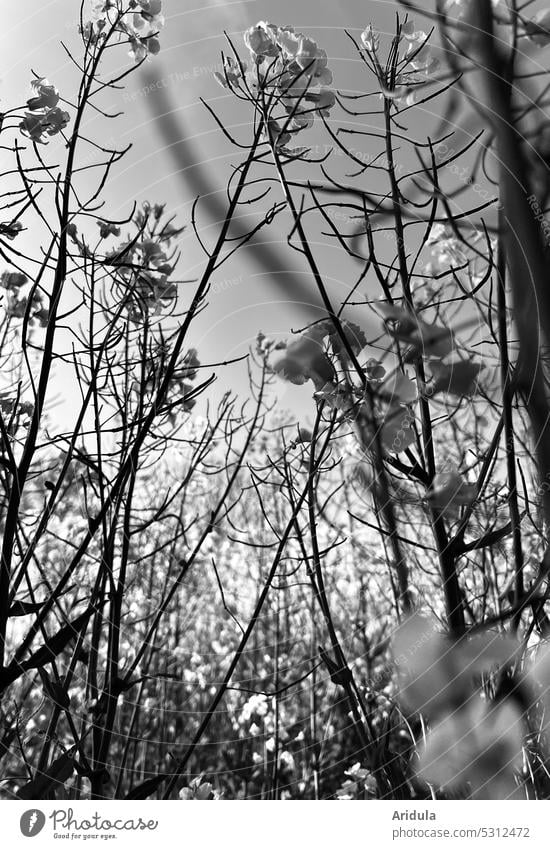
(431,341)
(398,389)
(538,29)
(56,692)
(425,340)
(24,608)
(49,781)
(455,378)
(304,434)
(397,429)
(56,644)
(339,675)
(144,790)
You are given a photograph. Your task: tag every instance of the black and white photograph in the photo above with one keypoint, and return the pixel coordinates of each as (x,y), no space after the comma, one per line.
(275,421)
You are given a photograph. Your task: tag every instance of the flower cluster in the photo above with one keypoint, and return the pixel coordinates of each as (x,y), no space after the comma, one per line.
(107,228)
(145,268)
(16,413)
(200,790)
(140,22)
(10,229)
(447,251)
(43,116)
(16,304)
(292,67)
(471,739)
(453,372)
(414,65)
(12,280)
(143,29)
(233,72)
(255,722)
(418,54)
(360,783)
(536,30)
(370,39)
(256,707)
(143,265)
(421,338)
(305,358)
(461,9)
(181,395)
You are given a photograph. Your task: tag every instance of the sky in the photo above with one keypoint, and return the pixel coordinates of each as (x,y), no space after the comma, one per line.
(247,295)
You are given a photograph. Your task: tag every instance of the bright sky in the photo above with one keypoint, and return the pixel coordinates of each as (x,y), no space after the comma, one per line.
(245,297)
